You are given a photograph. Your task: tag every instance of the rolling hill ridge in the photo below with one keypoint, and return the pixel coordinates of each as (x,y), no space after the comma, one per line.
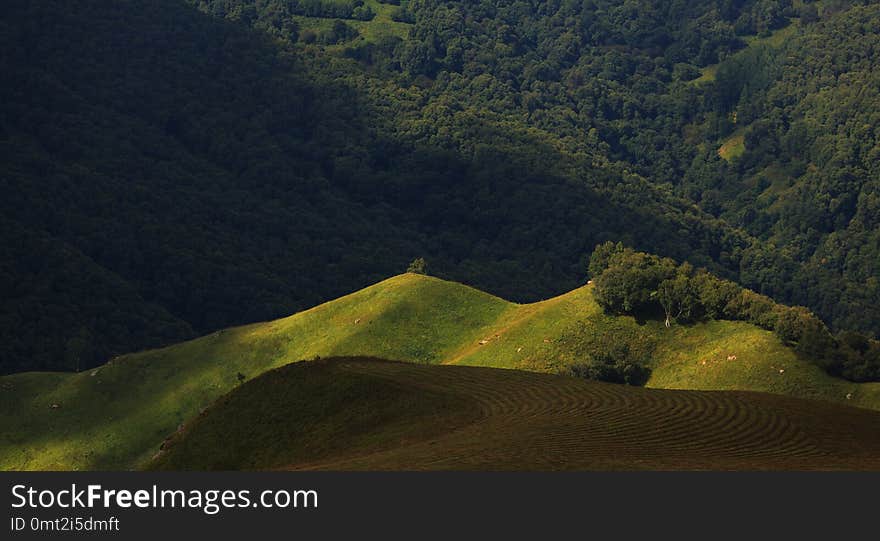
(369,414)
(117,415)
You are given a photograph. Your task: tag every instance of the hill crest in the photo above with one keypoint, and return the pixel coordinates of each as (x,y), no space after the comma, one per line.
(116,416)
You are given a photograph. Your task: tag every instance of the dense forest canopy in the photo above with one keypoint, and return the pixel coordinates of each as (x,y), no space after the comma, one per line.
(176,166)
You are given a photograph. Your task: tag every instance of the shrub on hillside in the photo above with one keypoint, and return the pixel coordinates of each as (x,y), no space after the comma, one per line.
(611,371)
(418,266)
(613,354)
(752,307)
(857,358)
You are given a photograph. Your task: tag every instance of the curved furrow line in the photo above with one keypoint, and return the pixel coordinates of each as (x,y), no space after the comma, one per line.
(563,423)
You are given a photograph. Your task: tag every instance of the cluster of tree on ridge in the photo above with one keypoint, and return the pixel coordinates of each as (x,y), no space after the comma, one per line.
(630,282)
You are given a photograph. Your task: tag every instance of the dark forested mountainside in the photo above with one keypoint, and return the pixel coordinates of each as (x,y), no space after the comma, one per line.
(172,167)
(619,79)
(809,180)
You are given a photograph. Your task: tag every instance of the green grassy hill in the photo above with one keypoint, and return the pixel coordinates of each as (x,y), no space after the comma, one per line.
(356,413)
(116,416)
(380,26)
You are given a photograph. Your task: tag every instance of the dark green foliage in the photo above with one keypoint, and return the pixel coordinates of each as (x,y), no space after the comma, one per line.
(752,307)
(715,295)
(679,296)
(215,178)
(611,371)
(418,266)
(630,282)
(402,15)
(857,358)
(808,13)
(807,182)
(764,16)
(275,15)
(338,32)
(187,170)
(561,81)
(609,350)
(615,361)
(60,310)
(600,259)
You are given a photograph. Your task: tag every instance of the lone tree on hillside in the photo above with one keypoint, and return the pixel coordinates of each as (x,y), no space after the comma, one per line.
(676,295)
(418,266)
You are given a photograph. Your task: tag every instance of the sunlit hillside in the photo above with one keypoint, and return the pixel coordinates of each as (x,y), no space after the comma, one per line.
(117,415)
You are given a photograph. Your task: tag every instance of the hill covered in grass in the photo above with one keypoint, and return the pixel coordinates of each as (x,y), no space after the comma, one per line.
(117,415)
(355,413)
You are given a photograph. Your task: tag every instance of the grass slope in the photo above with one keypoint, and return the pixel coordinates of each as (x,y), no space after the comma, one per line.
(777,38)
(379,27)
(346,414)
(116,417)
